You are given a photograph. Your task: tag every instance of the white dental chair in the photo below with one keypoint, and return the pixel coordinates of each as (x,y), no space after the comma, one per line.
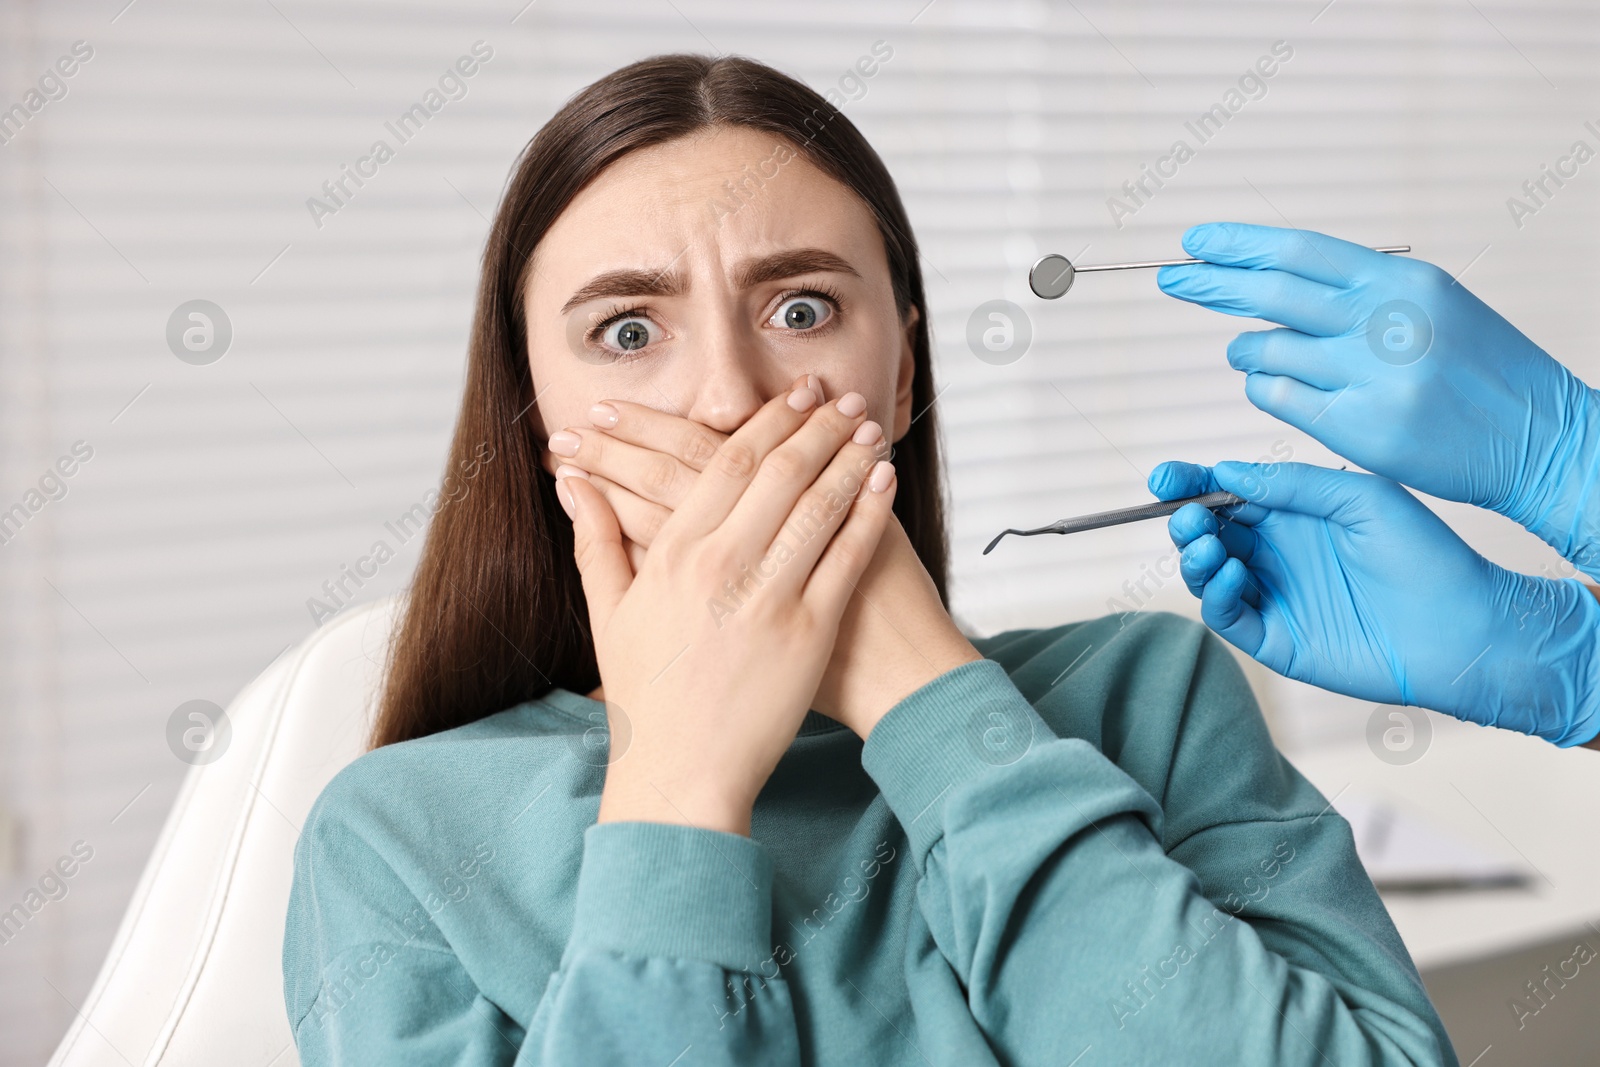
(195,974)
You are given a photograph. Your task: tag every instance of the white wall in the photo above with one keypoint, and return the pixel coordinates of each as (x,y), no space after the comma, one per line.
(220,497)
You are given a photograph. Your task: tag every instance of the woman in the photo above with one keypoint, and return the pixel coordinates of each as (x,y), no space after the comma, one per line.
(788,823)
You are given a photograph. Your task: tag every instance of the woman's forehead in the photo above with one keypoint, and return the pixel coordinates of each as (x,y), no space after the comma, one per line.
(702,205)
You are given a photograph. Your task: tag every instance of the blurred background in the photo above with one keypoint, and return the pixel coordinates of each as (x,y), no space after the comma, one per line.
(225,467)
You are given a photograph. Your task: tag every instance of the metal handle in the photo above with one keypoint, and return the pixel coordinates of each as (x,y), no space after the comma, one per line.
(1053,274)
(1122,515)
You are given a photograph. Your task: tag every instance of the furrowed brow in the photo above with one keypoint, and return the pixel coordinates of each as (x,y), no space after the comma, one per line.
(788,264)
(779,265)
(627,283)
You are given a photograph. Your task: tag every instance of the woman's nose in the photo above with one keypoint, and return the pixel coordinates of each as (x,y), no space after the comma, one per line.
(732,385)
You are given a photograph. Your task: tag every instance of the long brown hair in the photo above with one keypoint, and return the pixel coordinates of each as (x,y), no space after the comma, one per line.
(495,615)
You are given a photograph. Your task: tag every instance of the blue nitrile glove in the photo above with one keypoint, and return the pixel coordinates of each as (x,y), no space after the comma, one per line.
(1392,364)
(1348,582)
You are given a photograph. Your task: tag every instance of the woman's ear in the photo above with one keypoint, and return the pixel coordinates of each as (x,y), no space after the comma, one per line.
(907,371)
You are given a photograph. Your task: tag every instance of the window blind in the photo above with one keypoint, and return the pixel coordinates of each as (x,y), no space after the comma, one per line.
(201,152)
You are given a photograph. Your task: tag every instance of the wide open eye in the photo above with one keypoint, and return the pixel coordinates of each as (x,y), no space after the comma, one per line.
(627,334)
(804,312)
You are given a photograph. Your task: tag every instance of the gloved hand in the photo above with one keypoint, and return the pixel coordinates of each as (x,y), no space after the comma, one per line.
(1348,582)
(1392,364)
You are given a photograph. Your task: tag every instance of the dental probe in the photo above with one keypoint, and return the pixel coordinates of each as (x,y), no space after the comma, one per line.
(1121,515)
(1053,274)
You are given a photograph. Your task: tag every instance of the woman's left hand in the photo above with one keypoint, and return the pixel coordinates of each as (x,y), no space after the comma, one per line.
(895,635)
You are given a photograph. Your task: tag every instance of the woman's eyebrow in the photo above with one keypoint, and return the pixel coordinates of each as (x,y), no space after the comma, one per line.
(750,273)
(627,283)
(788,264)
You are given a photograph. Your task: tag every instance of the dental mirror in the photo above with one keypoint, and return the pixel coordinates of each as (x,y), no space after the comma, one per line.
(1054,274)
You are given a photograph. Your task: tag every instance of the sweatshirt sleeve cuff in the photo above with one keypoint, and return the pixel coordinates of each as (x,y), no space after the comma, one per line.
(660,889)
(965,723)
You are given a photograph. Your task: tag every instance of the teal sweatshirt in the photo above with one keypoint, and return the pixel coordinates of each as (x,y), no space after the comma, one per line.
(1081,849)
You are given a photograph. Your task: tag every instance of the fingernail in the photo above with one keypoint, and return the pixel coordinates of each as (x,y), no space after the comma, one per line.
(567,470)
(563,443)
(867,433)
(882,475)
(803,399)
(815,385)
(852,404)
(603,414)
(564,495)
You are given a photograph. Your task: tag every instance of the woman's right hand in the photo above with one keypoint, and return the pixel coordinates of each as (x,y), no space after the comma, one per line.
(710,654)
(645,461)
